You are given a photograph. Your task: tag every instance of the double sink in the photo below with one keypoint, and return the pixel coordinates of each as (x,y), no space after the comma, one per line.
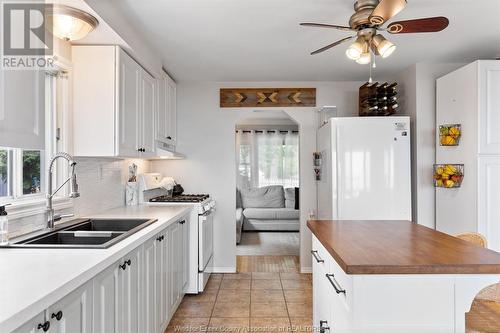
(85,234)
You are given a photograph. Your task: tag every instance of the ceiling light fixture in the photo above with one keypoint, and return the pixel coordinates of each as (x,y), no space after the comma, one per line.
(384,47)
(354,51)
(70,23)
(365,57)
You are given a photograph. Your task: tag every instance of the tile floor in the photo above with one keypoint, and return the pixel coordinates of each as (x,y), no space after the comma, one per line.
(248,302)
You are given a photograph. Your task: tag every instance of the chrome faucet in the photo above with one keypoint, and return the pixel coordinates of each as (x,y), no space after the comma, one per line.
(51,217)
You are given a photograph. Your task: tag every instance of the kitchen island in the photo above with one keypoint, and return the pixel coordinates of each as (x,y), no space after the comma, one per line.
(90,288)
(395,276)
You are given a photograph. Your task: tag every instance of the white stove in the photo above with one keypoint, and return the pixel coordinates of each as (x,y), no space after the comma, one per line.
(201,222)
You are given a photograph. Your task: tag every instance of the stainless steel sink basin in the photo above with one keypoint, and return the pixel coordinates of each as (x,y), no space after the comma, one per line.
(84,233)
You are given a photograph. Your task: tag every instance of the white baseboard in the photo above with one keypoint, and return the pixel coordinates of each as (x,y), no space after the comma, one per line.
(306,269)
(223,270)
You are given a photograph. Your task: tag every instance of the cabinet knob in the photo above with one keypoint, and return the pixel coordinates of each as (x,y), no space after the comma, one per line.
(45,326)
(124,266)
(169,137)
(128,262)
(182,222)
(57,315)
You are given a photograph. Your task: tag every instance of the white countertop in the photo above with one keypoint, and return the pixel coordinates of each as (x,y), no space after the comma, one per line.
(33,279)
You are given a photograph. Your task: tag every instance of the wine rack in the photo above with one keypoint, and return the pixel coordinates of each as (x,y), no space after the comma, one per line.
(378,99)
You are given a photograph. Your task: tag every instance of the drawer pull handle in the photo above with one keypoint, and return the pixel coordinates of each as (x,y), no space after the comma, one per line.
(315,255)
(334,283)
(45,326)
(57,315)
(322,328)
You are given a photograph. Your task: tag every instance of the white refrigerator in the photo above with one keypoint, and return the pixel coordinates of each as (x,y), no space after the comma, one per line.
(365,171)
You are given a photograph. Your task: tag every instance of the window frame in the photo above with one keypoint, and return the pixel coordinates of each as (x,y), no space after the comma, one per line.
(24,205)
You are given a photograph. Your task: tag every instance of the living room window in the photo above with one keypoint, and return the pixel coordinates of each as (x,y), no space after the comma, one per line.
(267,157)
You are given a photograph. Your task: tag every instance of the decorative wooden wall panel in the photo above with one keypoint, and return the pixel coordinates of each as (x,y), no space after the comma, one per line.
(267,97)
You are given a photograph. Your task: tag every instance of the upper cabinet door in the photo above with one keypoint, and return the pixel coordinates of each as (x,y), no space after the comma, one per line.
(167,111)
(148,111)
(172,111)
(489,107)
(128,97)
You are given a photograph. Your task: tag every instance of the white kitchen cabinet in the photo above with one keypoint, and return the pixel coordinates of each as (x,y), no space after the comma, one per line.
(116,295)
(114,104)
(73,313)
(148,288)
(468,96)
(106,288)
(322,306)
(167,111)
(34,325)
(175,252)
(162,279)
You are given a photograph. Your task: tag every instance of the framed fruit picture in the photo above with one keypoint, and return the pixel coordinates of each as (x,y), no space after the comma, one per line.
(448,175)
(449,135)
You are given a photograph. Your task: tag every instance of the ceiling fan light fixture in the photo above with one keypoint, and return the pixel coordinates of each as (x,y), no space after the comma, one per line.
(70,23)
(365,58)
(354,51)
(384,47)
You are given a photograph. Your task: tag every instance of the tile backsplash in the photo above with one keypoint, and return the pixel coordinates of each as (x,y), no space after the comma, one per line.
(101,185)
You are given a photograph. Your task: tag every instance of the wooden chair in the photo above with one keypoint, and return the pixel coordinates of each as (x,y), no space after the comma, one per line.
(474,237)
(484,314)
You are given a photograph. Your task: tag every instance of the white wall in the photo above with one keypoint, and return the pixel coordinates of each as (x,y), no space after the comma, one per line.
(417,91)
(206,136)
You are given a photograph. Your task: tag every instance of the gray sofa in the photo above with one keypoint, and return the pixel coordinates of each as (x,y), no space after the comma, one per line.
(269,208)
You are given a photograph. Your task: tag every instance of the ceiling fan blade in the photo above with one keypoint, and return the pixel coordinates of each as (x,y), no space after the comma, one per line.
(321,25)
(331,45)
(385,10)
(430,24)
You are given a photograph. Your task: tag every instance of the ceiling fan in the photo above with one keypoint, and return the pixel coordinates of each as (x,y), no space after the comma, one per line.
(367,22)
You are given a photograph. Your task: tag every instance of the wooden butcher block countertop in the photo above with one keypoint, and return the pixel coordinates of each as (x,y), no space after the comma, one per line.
(400,247)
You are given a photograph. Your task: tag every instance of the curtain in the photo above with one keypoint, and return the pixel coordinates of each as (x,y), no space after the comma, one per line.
(267,158)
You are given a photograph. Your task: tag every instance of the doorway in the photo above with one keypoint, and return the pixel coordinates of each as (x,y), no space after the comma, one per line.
(268,185)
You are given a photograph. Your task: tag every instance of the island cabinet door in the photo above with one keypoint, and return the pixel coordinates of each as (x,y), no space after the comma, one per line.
(148,288)
(35,325)
(322,314)
(162,267)
(128,295)
(175,251)
(73,313)
(106,288)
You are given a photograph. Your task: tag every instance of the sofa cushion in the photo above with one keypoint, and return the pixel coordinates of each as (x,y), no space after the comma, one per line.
(263,197)
(271,213)
(290,197)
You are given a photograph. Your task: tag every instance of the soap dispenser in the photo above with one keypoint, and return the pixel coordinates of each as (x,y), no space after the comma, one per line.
(4,226)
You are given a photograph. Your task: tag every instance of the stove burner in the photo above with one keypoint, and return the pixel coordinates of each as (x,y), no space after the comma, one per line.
(181,198)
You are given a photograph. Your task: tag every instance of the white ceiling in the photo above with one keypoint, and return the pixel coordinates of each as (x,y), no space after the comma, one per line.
(261,40)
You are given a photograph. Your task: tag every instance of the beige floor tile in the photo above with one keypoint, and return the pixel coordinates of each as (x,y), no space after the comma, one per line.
(187,325)
(266,284)
(216,276)
(195,309)
(206,296)
(237,276)
(299,310)
(301,325)
(234,296)
(296,284)
(296,276)
(267,295)
(213,285)
(265,276)
(229,325)
(277,309)
(270,325)
(236,284)
(231,310)
(298,296)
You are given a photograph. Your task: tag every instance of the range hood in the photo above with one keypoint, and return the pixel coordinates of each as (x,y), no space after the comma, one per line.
(164,151)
